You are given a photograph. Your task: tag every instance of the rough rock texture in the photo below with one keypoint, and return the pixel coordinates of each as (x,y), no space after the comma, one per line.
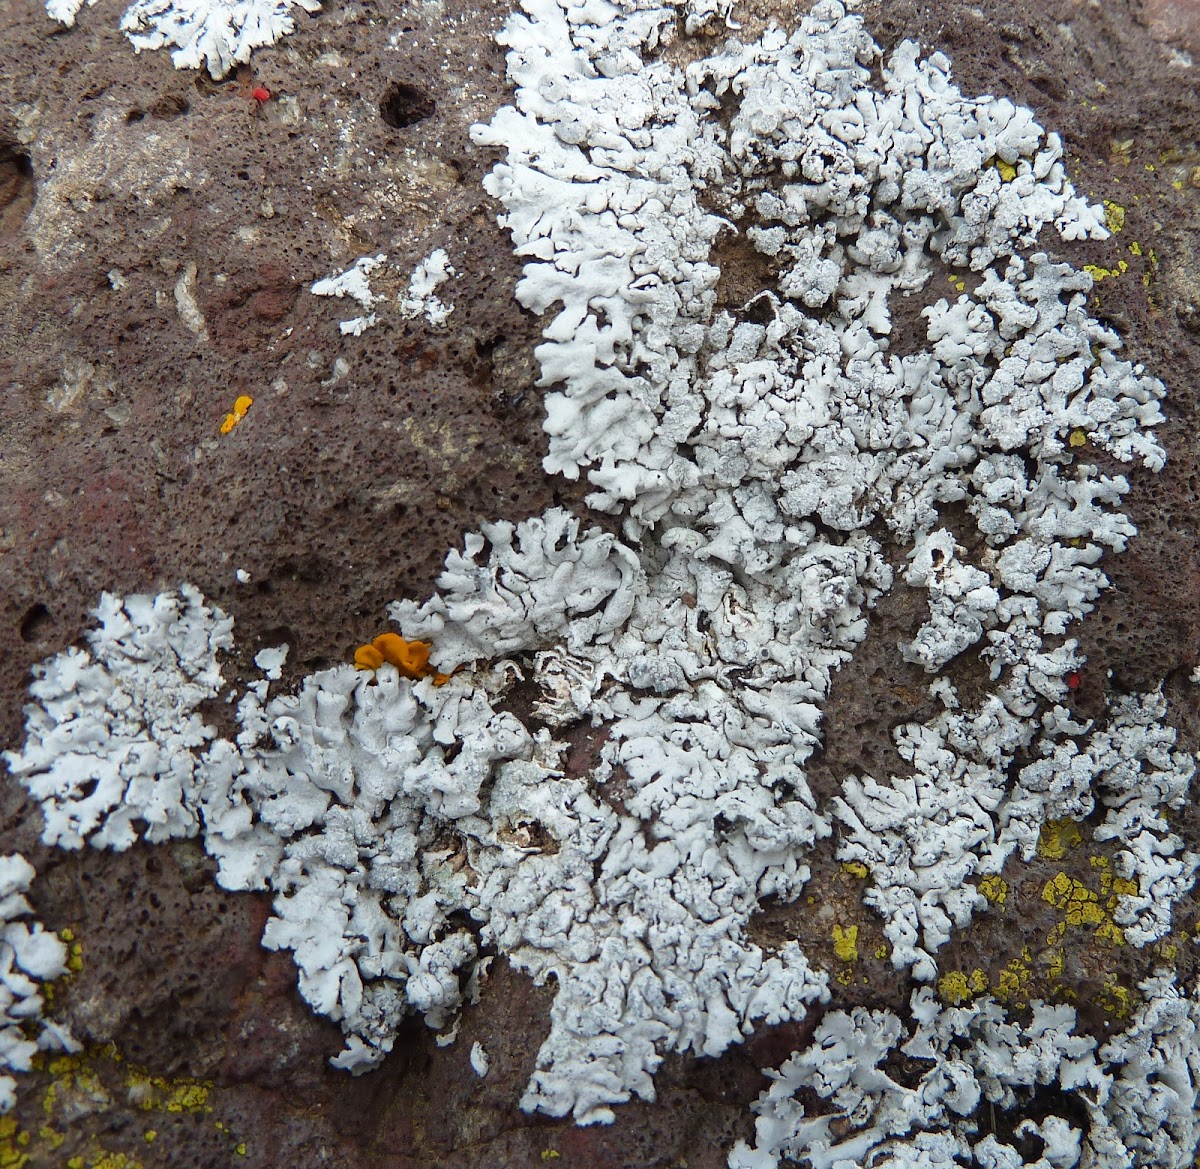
(347,483)
(159,233)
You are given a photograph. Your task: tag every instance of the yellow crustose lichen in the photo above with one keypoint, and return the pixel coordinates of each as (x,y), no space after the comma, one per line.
(845,942)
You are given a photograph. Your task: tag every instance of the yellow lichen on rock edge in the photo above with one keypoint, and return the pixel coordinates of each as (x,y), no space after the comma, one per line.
(156,1094)
(957,987)
(1014,979)
(995,889)
(1115,998)
(1098,273)
(1077,901)
(845,942)
(1057,837)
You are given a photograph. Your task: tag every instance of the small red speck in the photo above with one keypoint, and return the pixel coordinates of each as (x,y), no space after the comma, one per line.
(1073,680)
(260,94)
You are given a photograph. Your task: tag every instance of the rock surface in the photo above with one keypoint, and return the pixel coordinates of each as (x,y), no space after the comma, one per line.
(158,236)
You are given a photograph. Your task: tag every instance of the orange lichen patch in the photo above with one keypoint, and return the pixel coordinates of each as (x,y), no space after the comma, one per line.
(411,658)
(240,409)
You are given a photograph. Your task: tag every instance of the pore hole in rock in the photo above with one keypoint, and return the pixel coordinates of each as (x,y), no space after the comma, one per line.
(170,105)
(17,190)
(405,105)
(35,624)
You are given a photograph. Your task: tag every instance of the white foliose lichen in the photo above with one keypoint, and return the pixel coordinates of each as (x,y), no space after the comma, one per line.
(421,297)
(709,690)
(111,735)
(773,464)
(428,276)
(216,34)
(381,812)
(966,1066)
(960,813)
(65,11)
(354,283)
(29,956)
(748,441)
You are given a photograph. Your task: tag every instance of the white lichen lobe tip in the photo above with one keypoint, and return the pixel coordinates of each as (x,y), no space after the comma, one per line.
(353,282)
(212,34)
(65,11)
(271,661)
(216,34)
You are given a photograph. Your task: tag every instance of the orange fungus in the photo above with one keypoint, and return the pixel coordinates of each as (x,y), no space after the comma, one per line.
(411,658)
(367,657)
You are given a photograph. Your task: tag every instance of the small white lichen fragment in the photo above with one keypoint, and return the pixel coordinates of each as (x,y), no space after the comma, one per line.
(427,278)
(479,1059)
(271,660)
(354,283)
(357,326)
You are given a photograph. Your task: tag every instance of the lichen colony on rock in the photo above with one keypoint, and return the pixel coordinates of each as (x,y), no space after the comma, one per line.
(775,467)
(1138,1088)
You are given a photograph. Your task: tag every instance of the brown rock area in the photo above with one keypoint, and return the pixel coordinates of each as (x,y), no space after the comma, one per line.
(158,236)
